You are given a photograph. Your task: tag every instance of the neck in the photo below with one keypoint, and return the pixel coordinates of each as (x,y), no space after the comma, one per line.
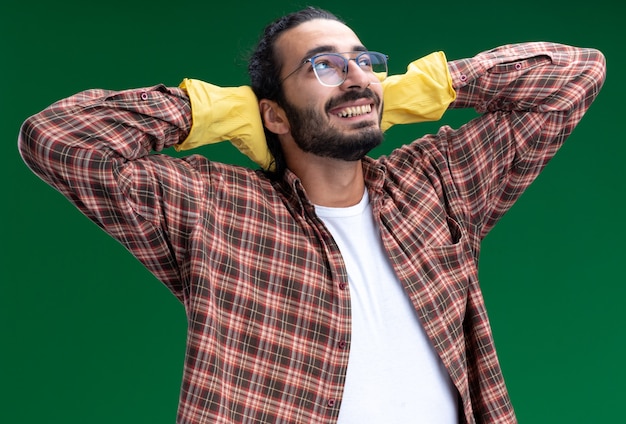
(330,182)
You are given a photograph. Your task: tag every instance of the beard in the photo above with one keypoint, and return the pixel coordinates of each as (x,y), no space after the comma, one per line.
(313,134)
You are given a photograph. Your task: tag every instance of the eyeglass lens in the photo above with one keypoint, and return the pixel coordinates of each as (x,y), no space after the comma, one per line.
(331,68)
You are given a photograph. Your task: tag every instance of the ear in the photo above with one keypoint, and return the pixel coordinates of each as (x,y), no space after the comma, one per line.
(274,116)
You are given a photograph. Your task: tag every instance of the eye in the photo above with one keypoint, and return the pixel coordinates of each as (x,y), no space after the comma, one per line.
(329,63)
(322,64)
(364,61)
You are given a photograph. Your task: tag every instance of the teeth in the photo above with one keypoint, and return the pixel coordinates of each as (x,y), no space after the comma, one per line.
(355,111)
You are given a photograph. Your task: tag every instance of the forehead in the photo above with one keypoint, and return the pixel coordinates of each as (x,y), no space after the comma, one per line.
(314,36)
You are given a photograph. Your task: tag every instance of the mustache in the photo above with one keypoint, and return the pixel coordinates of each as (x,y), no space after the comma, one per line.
(350,96)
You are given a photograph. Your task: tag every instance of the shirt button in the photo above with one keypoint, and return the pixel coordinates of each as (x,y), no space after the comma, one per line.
(331,402)
(518,66)
(343,286)
(144,96)
(342,344)
(463,77)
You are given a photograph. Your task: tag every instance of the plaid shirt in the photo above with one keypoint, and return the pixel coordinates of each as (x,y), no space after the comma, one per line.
(263,282)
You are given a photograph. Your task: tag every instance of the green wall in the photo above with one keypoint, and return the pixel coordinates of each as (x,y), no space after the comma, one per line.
(88,336)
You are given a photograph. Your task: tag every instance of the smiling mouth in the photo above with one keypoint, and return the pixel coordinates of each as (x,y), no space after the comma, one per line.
(352,111)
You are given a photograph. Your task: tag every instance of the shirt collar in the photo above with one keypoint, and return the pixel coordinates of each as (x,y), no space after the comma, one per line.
(291,186)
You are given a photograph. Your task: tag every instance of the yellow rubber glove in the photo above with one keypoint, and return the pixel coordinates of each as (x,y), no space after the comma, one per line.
(422,94)
(225,113)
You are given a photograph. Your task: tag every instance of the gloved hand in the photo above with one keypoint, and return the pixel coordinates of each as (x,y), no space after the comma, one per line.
(225,113)
(423,93)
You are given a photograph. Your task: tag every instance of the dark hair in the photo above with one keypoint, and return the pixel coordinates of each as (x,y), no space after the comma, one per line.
(264,68)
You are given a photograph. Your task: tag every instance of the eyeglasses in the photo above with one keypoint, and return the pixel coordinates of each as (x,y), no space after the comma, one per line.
(331,69)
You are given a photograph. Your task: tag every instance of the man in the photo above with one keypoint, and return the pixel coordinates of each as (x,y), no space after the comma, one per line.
(330,287)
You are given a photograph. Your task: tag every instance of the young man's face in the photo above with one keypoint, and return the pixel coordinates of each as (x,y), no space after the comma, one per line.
(341,122)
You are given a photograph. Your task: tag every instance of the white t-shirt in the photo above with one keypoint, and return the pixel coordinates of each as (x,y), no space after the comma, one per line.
(394,374)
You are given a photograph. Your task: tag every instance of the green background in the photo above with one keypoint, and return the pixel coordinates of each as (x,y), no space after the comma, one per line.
(89,336)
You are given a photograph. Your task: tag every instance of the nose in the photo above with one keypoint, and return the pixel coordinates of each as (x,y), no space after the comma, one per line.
(356,77)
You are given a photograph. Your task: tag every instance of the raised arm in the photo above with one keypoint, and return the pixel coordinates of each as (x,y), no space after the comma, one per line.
(95,148)
(531,95)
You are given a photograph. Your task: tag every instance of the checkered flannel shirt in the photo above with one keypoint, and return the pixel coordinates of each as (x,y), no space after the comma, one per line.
(263,282)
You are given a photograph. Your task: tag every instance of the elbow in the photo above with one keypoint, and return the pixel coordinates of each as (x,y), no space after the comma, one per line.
(595,69)
(601,61)
(28,140)
(34,143)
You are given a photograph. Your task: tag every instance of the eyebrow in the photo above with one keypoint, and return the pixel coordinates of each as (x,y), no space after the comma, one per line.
(330,49)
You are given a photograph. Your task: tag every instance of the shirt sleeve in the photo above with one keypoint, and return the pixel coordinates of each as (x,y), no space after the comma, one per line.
(530,97)
(100,149)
